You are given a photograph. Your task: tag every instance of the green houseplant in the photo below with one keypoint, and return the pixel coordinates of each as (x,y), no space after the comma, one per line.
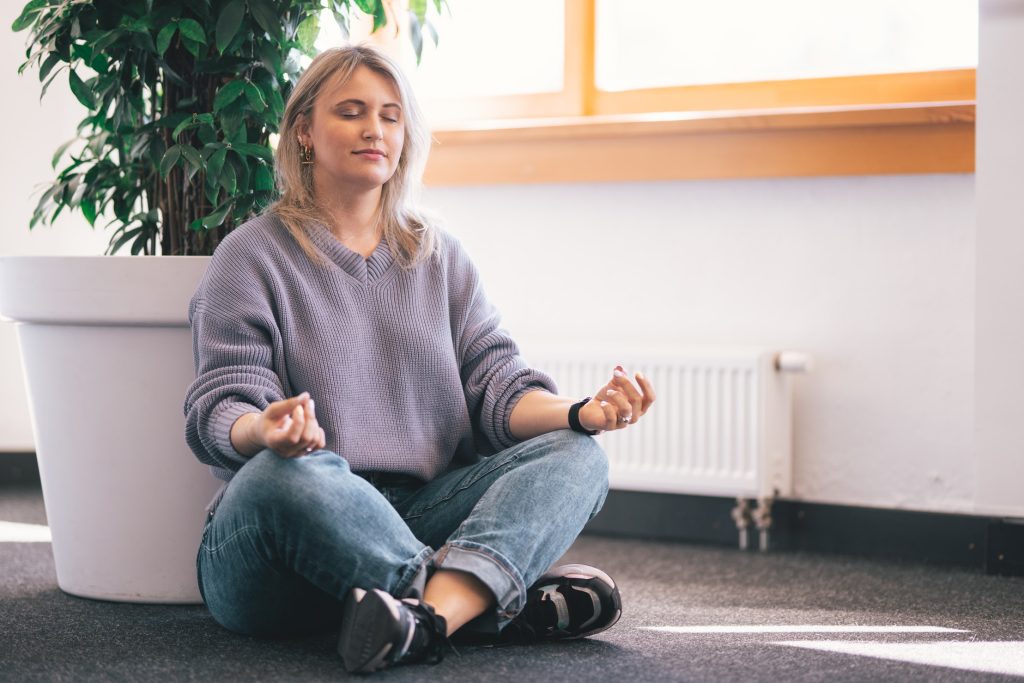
(182,98)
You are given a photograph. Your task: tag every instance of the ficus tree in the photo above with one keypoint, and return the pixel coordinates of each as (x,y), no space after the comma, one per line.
(182,98)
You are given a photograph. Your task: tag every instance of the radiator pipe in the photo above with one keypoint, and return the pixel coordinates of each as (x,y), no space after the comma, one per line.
(763,520)
(795,362)
(741,515)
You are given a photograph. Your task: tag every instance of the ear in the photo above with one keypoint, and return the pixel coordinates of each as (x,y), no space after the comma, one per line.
(302,127)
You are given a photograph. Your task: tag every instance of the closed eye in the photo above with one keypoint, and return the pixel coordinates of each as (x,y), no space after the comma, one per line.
(355,116)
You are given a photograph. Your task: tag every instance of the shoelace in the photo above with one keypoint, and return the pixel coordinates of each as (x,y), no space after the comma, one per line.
(438,642)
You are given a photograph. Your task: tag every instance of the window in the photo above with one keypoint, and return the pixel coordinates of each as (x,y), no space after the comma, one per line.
(569,89)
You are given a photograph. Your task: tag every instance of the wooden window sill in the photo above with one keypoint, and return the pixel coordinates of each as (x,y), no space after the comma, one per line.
(931,137)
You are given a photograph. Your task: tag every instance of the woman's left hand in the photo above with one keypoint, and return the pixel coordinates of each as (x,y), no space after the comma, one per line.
(618,404)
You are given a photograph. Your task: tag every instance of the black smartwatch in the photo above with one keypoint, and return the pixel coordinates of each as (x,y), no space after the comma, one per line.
(574,418)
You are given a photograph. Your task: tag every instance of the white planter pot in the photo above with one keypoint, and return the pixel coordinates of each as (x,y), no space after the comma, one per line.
(107,354)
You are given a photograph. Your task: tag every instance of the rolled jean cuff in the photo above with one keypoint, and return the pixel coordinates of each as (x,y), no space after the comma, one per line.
(493,570)
(414,579)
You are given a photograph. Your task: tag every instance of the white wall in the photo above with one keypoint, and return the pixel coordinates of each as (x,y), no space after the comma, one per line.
(874,276)
(1000,291)
(33,133)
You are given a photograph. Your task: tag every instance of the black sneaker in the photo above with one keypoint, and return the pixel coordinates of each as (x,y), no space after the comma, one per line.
(379,631)
(571,601)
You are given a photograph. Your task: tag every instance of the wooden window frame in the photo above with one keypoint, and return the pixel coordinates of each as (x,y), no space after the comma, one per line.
(900,123)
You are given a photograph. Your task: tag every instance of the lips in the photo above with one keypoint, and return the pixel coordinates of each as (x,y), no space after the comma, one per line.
(371,153)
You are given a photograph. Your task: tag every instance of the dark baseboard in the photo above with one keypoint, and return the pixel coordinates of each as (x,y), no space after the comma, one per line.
(989,544)
(18,469)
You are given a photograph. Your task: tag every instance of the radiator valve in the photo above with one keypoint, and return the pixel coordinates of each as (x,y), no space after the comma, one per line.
(741,515)
(763,520)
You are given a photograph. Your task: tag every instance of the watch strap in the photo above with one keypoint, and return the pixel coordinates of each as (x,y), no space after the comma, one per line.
(574,418)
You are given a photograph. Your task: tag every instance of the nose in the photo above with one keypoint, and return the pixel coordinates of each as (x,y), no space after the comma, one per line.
(373,131)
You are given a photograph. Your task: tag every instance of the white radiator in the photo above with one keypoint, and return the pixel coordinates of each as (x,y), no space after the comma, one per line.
(721,424)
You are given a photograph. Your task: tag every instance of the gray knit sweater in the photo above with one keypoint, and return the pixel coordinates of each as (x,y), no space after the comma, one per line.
(409,369)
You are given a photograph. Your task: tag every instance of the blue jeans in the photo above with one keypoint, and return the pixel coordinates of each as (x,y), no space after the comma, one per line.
(291,537)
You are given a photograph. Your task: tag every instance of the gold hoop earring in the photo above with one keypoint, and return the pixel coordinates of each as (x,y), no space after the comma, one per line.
(307,155)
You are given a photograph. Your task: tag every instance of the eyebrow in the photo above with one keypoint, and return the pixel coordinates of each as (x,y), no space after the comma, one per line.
(363,104)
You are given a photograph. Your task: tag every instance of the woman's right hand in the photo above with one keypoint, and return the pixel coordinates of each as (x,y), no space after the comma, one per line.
(289,427)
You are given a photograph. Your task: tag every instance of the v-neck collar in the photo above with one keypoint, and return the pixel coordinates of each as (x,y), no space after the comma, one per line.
(365,271)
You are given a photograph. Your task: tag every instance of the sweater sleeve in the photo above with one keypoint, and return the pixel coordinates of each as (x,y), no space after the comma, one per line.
(233,340)
(494,375)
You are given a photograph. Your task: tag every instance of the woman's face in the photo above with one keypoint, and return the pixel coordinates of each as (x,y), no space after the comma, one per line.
(356,131)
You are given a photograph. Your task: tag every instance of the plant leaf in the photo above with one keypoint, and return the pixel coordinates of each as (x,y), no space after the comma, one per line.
(228,178)
(163,39)
(81,90)
(268,19)
(416,35)
(218,216)
(367,6)
(429,28)
(170,159)
(60,152)
(183,126)
(193,30)
(264,179)
(89,211)
(28,15)
(214,166)
(419,8)
(125,237)
(307,34)
(255,97)
(254,150)
(194,48)
(271,55)
(380,17)
(342,22)
(48,65)
(228,94)
(191,155)
(228,23)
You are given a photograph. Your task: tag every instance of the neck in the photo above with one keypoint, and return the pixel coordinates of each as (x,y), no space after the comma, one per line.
(353,216)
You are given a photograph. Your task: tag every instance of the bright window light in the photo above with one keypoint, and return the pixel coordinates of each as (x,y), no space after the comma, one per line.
(691,42)
(485,48)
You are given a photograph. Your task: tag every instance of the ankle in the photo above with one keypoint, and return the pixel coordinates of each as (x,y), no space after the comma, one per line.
(458,596)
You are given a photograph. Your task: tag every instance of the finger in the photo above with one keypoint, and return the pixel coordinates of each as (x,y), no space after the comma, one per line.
(311,433)
(611,416)
(602,393)
(298,425)
(279,408)
(623,384)
(648,389)
(624,408)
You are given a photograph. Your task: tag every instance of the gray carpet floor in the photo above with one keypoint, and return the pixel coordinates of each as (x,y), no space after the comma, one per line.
(691,613)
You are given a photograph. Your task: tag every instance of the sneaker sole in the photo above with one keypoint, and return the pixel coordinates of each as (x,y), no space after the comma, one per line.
(582,571)
(366,638)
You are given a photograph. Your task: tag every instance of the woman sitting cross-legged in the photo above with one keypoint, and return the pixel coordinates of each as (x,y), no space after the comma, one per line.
(393,467)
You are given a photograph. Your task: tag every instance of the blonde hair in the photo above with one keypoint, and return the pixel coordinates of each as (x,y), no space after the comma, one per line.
(407,229)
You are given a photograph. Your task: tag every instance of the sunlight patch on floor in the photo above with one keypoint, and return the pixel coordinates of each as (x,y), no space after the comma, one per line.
(16,532)
(1000,657)
(802,628)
